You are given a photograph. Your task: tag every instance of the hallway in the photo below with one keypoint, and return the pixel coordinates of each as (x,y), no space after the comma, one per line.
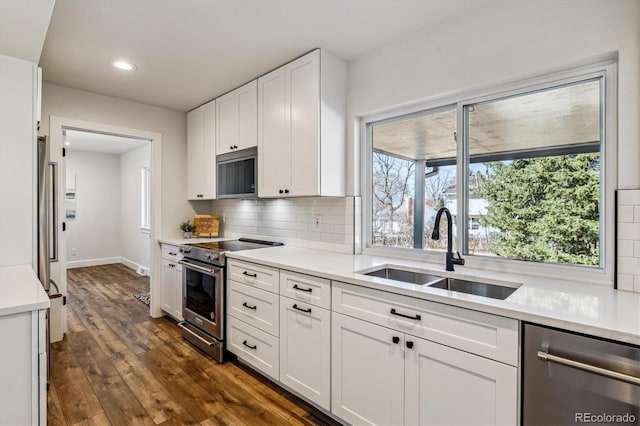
(116,365)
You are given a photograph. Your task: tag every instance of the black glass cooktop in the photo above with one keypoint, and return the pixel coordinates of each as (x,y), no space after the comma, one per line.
(235,245)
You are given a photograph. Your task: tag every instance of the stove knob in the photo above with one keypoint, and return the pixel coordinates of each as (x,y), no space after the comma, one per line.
(208,257)
(214,257)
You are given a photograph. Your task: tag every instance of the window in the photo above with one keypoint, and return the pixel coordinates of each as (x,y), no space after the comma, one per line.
(145,199)
(524,169)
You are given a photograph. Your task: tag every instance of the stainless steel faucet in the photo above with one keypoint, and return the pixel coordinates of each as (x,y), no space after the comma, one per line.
(450,259)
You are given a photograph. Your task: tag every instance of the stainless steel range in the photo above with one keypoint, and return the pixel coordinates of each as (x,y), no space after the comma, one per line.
(203,290)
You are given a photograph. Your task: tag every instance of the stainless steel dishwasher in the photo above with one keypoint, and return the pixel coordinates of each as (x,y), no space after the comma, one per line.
(569,379)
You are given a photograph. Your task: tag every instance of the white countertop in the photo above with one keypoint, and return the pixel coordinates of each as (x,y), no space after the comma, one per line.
(586,308)
(20,290)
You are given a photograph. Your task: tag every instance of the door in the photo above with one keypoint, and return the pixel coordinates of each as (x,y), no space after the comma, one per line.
(195,141)
(303,95)
(274,160)
(305,350)
(201,178)
(168,290)
(446,386)
(237,119)
(367,372)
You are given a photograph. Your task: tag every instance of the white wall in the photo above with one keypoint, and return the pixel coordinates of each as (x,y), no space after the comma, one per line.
(17,153)
(135,245)
(506,41)
(77,104)
(95,232)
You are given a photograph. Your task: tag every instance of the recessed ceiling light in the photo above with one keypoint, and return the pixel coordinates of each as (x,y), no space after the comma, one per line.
(123,65)
(67,143)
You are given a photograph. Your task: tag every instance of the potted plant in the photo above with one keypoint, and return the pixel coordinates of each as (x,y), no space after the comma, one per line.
(187,229)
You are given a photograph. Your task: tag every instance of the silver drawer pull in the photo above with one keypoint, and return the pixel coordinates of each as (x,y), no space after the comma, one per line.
(545,356)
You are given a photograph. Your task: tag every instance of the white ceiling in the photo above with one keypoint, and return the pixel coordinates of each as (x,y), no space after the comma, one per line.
(98,142)
(23,26)
(190,51)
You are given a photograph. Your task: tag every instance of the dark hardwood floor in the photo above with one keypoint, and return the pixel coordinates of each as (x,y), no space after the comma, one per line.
(117,365)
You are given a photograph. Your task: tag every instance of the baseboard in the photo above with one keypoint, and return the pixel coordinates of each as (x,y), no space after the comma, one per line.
(140,269)
(93,262)
(106,261)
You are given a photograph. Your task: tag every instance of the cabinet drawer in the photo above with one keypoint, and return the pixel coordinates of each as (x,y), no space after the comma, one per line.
(171,253)
(484,334)
(253,306)
(306,288)
(259,276)
(253,346)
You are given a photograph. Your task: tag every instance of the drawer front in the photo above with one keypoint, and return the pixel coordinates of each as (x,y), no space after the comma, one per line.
(171,253)
(484,334)
(306,288)
(253,346)
(253,306)
(259,276)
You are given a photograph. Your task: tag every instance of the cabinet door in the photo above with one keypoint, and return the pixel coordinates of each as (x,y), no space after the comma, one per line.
(446,386)
(274,158)
(305,350)
(177,292)
(303,96)
(227,119)
(208,162)
(248,115)
(201,168)
(367,365)
(195,140)
(168,293)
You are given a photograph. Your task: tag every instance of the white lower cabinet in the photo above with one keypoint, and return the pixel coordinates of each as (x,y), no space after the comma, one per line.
(384,377)
(253,346)
(367,372)
(446,386)
(400,360)
(305,350)
(171,281)
(23,371)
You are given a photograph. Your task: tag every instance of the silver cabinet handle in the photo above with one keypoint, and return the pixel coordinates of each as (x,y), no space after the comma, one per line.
(545,356)
(54,209)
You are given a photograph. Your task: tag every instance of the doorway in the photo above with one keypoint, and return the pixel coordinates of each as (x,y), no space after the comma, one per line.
(107,201)
(97,155)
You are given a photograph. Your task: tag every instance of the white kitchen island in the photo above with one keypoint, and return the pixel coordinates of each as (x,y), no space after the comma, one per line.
(23,358)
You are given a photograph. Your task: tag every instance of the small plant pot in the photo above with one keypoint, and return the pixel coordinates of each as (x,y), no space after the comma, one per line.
(187,234)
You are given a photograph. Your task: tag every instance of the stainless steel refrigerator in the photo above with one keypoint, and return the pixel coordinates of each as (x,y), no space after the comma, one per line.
(47,228)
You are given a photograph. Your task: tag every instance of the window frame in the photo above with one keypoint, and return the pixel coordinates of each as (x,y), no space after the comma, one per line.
(602,274)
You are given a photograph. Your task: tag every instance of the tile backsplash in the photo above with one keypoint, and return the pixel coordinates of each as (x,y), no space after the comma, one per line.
(324,223)
(628,252)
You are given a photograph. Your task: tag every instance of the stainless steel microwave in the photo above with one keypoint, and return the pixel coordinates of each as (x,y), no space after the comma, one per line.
(237,174)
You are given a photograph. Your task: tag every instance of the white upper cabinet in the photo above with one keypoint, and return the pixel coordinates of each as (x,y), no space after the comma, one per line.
(201,123)
(301,128)
(237,119)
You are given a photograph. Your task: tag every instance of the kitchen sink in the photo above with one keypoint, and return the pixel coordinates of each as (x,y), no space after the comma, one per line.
(493,291)
(412,277)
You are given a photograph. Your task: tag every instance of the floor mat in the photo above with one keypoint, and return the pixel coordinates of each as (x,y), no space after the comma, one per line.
(143,297)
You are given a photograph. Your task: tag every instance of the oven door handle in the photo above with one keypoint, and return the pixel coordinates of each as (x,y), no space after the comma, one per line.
(197,268)
(544,355)
(182,326)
